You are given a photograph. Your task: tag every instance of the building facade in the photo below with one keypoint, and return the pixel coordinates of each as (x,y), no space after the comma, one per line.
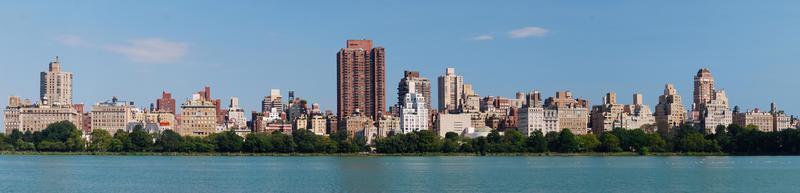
(198,117)
(412,82)
(56,85)
(361,79)
(455,123)
(166,103)
(112,115)
(414,115)
(670,112)
(451,91)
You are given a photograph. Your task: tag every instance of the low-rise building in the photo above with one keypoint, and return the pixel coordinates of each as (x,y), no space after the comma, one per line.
(456,123)
(112,115)
(24,116)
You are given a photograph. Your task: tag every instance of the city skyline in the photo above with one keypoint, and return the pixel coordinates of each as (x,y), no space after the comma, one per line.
(519,67)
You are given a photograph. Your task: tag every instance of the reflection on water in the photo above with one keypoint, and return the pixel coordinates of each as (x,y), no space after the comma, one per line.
(396,174)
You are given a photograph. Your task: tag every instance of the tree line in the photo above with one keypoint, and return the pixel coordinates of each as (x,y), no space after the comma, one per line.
(733,139)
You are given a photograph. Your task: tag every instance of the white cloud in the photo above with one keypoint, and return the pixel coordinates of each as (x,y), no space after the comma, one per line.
(528,32)
(72,40)
(482,38)
(151,50)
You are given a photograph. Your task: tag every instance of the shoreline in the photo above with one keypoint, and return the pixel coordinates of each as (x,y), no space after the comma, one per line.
(181,154)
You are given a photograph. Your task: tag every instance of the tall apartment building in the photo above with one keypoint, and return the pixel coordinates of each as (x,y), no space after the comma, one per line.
(166,103)
(780,120)
(112,115)
(639,115)
(198,117)
(451,91)
(274,100)
(317,124)
(361,79)
(715,112)
(389,124)
(205,94)
(670,113)
(412,82)
(54,103)
(235,117)
(56,86)
(703,88)
(414,115)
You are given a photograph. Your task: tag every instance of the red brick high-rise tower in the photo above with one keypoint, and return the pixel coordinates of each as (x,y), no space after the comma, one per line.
(361,79)
(166,103)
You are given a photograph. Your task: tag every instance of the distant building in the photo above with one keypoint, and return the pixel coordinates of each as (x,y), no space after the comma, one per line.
(55,104)
(761,120)
(412,82)
(317,124)
(451,91)
(414,115)
(198,117)
(112,115)
(557,113)
(56,86)
(361,79)
(166,103)
(612,115)
(456,123)
(358,125)
(389,125)
(235,118)
(273,101)
(670,113)
(24,116)
(715,112)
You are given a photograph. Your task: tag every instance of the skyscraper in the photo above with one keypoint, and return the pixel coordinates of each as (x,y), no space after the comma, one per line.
(451,91)
(361,79)
(274,100)
(56,86)
(670,112)
(703,88)
(413,83)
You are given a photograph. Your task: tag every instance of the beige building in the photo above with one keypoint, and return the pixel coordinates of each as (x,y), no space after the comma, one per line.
(389,124)
(300,123)
(317,124)
(55,104)
(163,118)
(451,91)
(56,86)
(715,112)
(670,112)
(112,115)
(456,123)
(612,115)
(557,113)
(761,120)
(198,117)
(23,116)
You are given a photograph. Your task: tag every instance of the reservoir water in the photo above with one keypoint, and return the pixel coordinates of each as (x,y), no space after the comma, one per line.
(150,174)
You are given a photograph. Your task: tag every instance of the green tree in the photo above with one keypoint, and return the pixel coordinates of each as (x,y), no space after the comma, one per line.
(536,143)
(567,142)
(168,141)
(588,142)
(140,140)
(123,141)
(101,141)
(609,143)
(428,141)
(227,141)
(259,143)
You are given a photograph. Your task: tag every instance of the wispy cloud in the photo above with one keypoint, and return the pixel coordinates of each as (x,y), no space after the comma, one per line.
(151,50)
(147,50)
(482,38)
(72,40)
(530,31)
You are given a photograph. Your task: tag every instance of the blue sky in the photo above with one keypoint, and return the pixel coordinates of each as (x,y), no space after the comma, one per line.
(136,49)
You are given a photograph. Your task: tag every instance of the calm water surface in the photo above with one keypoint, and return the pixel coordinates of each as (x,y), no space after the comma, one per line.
(150,174)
